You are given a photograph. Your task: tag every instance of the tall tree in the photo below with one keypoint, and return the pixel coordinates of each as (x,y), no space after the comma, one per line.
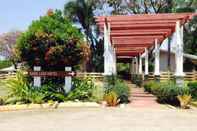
(149,6)
(7,45)
(82,13)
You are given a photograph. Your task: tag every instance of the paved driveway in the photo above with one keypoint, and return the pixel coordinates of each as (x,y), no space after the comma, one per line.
(100,119)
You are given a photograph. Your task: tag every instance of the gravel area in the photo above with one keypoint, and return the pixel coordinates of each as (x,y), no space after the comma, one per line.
(100,119)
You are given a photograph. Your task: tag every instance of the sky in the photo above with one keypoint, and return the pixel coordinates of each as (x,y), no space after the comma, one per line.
(18,14)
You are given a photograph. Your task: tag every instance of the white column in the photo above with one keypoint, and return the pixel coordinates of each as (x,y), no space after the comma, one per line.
(146,62)
(68,81)
(106,52)
(37,80)
(130,67)
(136,65)
(109,56)
(114,62)
(133,66)
(140,64)
(179,50)
(157,57)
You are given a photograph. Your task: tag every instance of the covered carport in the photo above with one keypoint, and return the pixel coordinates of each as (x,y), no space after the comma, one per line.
(134,36)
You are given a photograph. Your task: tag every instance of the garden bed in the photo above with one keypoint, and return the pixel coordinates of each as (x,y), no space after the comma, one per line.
(168,92)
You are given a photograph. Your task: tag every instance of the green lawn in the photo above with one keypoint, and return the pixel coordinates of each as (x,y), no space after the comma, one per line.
(3,91)
(5,63)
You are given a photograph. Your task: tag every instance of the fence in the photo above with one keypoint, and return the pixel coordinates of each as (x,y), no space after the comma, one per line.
(189,76)
(4,74)
(95,75)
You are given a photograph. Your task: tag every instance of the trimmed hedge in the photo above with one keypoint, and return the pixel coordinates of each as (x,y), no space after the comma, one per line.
(166,92)
(193,89)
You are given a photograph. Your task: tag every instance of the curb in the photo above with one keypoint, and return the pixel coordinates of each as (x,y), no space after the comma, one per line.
(54,105)
(193,104)
(170,106)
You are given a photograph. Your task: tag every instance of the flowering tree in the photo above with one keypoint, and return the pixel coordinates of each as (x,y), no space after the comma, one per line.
(7,46)
(51,42)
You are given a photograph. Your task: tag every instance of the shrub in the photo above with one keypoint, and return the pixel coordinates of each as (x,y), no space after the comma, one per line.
(5,63)
(17,88)
(111,98)
(51,41)
(98,93)
(21,92)
(148,86)
(52,92)
(184,100)
(119,87)
(2,101)
(166,92)
(122,91)
(82,90)
(193,89)
(137,79)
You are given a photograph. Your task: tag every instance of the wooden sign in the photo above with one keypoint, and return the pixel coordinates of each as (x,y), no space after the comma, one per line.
(51,73)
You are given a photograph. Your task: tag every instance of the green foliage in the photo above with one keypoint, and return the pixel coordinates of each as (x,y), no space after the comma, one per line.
(137,79)
(51,41)
(98,93)
(190,45)
(82,90)
(184,100)
(151,86)
(111,98)
(97,57)
(21,92)
(193,89)
(123,68)
(18,88)
(166,92)
(2,101)
(119,87)
(82,11)
(5,63)
(52,92)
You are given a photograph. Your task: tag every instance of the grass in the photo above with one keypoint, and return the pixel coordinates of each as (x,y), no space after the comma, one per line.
(5,63)
(3,90)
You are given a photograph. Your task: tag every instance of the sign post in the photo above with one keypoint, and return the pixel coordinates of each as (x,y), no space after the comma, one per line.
(37,79)
(67,74)
(68,81)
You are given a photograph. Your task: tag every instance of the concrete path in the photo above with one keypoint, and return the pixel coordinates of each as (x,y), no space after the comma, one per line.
(142,99)
(100,119)
(139,98)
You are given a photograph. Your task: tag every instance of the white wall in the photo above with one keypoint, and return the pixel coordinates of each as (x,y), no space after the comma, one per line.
(164,62)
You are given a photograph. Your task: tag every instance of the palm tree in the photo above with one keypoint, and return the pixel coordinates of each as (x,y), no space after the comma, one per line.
(82,12)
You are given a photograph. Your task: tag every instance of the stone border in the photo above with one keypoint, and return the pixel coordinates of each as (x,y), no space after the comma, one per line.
(54,105)
(194,104)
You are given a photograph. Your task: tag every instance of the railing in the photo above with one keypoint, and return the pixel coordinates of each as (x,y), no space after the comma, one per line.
(92,75)
(4,74)
(189,76)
